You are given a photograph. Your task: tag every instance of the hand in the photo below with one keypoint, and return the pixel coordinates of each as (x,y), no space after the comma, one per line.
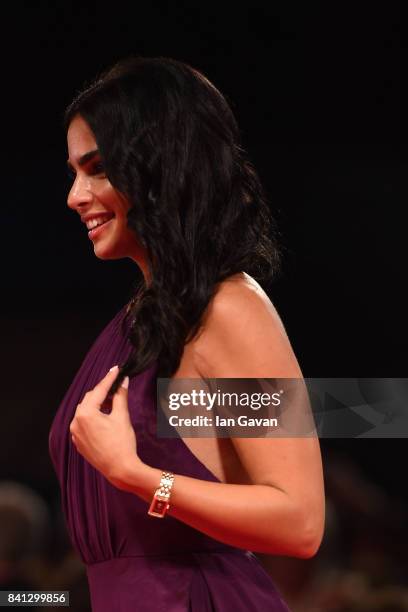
(106,441)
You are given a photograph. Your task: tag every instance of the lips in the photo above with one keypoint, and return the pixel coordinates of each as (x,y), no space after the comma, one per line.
(99,229)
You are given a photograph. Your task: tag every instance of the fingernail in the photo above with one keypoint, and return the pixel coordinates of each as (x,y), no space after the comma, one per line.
(115,367)
(125,382)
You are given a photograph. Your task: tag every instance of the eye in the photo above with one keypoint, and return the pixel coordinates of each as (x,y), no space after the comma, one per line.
(98,168)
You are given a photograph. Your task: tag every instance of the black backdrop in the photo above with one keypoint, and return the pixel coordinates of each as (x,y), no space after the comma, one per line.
(322,102)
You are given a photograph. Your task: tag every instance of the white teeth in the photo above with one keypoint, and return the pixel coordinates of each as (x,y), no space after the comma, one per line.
(95,222)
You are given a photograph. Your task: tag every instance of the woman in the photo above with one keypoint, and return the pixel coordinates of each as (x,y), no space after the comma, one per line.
(160,177)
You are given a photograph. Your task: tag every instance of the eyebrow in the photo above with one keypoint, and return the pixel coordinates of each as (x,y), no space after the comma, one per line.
(86,157)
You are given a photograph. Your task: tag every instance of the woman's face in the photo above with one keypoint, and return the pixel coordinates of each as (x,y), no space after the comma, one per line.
(101,207)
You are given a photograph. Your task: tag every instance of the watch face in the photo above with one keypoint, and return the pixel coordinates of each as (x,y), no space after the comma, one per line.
(158,507)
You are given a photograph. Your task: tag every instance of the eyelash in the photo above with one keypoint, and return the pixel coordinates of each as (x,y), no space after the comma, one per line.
(96,169)
(101,168)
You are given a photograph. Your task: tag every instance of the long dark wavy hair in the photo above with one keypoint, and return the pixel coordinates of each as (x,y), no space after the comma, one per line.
(170,143)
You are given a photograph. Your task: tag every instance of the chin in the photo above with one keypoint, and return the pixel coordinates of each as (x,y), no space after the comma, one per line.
(107,253)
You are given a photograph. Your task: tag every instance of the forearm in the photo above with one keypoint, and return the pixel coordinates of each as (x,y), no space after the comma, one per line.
(257,517)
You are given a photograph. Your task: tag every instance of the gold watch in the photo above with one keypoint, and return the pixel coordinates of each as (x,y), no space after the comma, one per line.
(161,498)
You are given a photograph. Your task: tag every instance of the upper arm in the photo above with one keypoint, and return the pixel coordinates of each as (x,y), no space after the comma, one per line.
(245,338)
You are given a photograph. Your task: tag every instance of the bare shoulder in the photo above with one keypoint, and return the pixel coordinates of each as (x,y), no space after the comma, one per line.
(240,299)
(243,335)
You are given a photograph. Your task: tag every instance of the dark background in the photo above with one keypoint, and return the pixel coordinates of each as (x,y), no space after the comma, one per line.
(321,99)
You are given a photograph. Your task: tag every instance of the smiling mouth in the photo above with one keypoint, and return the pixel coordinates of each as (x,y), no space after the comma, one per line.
(94,231)
(100,220)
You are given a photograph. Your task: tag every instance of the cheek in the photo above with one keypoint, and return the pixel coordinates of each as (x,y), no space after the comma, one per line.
(118,206)
(108,196)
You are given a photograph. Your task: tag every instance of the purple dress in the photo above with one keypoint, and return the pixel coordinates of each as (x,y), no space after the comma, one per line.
(135,562)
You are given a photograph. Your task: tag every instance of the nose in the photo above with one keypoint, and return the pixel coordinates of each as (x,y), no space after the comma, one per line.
(80,193)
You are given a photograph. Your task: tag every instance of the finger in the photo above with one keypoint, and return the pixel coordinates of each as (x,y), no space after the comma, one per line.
(120,399)
(100,390)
